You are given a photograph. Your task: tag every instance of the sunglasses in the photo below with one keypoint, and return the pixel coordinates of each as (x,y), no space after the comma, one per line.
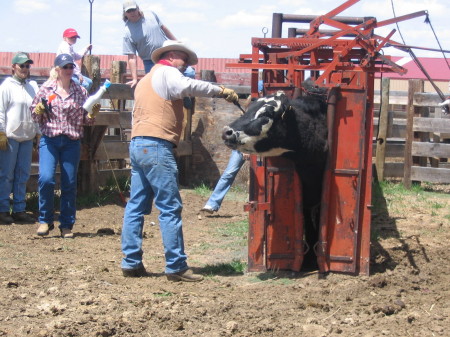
(68,66)
(24,66)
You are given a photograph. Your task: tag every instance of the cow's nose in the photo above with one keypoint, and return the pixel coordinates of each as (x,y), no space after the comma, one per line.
(228,134)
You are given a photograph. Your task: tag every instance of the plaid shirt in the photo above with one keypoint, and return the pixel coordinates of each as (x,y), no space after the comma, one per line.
(67,116)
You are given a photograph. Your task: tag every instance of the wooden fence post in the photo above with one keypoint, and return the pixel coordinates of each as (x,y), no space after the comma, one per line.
(413,87)
(91,68)
(118,70)
(382,129)
(88,173)
(208,75)
(434,161)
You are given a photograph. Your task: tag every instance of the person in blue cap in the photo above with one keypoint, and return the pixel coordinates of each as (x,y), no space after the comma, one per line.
(58,109)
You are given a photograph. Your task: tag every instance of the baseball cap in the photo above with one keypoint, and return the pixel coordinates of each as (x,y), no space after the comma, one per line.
(129,5)
(62,59)
(70,32)
(21,58)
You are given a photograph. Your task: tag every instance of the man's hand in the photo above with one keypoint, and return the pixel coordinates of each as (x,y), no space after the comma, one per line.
(95,109)
(229,95)
(88,47)
(3,141)
(39,109)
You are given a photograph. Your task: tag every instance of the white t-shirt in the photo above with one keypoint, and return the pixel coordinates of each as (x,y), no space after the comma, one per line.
(66,48)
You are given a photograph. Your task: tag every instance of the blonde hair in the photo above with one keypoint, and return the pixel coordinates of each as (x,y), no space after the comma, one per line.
(53,74)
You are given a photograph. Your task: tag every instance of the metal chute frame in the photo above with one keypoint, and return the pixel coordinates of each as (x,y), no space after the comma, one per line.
(345,61)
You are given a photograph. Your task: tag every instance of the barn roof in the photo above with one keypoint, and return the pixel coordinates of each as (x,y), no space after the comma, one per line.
(437,68)
(45,60)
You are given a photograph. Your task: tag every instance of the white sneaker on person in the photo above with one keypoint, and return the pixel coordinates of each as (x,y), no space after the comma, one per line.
(208,209)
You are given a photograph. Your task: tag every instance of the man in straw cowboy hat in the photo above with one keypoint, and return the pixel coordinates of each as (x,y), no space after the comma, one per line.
(157,124)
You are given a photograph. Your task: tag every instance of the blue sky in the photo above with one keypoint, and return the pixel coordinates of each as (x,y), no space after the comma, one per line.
(211,28)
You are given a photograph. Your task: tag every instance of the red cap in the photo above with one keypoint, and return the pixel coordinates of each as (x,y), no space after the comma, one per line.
(70,32)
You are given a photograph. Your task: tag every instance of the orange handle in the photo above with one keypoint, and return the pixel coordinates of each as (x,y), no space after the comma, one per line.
(51,97)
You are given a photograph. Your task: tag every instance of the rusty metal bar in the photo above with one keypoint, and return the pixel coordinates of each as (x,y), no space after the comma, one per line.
(401,18)
(277,24)
(322,248)
(293,18)
(405,46)
(325,32)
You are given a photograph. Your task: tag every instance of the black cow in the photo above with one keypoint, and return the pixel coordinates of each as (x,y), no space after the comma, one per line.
(296,129)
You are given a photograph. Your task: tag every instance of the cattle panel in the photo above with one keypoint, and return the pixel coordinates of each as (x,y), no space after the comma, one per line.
(346,223)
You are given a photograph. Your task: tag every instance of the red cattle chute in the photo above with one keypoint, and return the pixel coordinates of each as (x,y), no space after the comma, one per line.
(344,60)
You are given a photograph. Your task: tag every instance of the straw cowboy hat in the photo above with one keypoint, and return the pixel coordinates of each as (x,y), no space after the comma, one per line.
(172,45)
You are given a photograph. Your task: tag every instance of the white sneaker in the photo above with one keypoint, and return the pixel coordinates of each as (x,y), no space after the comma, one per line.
(208,209)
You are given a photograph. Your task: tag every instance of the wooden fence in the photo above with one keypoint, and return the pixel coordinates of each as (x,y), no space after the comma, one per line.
(413,145)
(410,144)
(105,153)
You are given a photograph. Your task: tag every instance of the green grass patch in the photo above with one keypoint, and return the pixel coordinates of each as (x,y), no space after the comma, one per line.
(203,246)
(391,201)
(238,229)
(202,190)
(235,267)
(436,205)
(399,191)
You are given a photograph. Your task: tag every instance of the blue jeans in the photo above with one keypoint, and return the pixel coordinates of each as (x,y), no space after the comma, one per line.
(15,166)
(87,82)
(154,177)
(66,151)
(226,180)
(148,65)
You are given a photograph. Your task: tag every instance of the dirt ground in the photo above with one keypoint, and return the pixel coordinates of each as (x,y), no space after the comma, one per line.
(55,287)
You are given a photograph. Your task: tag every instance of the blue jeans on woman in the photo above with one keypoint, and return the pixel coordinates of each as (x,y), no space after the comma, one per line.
(154,177)
(15,166)
(226,180)
(65,151)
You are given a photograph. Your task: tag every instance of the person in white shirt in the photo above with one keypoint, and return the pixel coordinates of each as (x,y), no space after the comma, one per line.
(70,37)
(17,131)
(157,125)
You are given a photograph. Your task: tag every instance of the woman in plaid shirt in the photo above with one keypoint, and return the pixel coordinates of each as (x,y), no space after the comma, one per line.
(58,109)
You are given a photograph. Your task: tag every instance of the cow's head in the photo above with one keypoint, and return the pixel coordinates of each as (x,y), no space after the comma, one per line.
(255,131)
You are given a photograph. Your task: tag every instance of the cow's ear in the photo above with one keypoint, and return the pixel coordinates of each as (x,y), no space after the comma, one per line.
(285,102)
